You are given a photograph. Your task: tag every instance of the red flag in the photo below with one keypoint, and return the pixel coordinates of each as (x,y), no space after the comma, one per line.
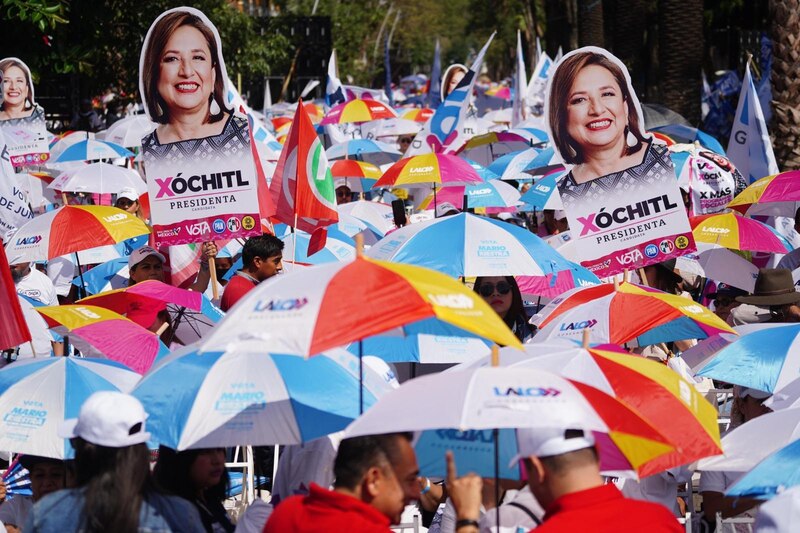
(302,186)
(13,328)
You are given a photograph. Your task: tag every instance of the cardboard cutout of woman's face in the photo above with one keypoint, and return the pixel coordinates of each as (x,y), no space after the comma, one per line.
(590,103)
(185,48)
(17,82)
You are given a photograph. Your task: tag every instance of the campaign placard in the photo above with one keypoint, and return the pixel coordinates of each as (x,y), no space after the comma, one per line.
(620,194)
(201,176)
(713,182)
(629,219)
(25,134)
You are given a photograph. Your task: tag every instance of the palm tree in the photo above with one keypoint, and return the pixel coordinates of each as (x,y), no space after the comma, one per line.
(785,17)
(590,23)
(680,38)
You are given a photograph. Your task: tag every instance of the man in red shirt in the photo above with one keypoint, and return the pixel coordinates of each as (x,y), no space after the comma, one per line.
(564,475)
(262,258)
(376,477)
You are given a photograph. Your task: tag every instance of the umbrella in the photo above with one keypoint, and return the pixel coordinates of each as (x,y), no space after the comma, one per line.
(767,359)
(90,150)
(54,234)
(389,127)
(317,308)
(732,230)
(656,392)
(458,406)
(469,245)
(100,178)
(494,193)
(679,133)
(35,186)
(376,215)
(17,481)
(145,293)
(531,161)
(358,111)
(488,147)
(41,337)
(620,313)
(776,195)
(375,152)
(748,444)
(65,140)
(553,285)
(338,247)
(129,131)
(716,262)
(776,473)
(37,394)
(418,114)
(441,169)
(100,332)
(543,193)
(237,397)
(657,115)
(110,275)
(360,176)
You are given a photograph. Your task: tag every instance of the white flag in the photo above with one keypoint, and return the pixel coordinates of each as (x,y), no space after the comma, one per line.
(749,147)
(538,84)
(519,109)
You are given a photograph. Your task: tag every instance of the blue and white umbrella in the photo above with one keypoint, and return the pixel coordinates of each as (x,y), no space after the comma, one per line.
(108,276)
(494,193)
(765,360)
(543,193)
(91,149)
(338,247)
(375,152)
(533,161)
(482,171)
(469,245)
(778,472)
(249,397)
(36,395)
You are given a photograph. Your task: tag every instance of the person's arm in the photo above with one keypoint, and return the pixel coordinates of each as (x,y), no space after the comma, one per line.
(465,493)
(204,275)
(716,502)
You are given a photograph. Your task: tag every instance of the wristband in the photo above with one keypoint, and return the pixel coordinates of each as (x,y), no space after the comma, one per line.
(426,489)
(467,522)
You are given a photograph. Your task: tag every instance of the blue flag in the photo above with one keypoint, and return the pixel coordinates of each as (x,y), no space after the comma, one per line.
(387,67)
(435,86)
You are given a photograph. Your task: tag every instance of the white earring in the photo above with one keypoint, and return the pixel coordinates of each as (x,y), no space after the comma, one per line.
(630,138)
(214,109)
(28,104)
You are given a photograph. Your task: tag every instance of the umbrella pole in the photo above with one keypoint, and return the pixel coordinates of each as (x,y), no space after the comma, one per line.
(82,289)
(360,377)
(496,435)
(294,239)
(434,200)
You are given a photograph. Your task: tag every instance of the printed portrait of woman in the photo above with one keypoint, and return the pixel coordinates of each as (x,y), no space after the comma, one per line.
(594,117)
(183,77)
(21,119)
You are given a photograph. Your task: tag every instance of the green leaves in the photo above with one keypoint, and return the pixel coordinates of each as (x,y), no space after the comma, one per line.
(43,14)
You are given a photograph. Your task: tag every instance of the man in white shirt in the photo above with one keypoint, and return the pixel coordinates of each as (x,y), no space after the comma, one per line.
(33,284)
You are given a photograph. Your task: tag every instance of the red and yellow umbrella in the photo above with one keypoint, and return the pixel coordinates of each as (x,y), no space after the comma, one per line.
(442,169)
(626,313)
(417,114)
(70,229)
(350,168)
(731,230)
(777,195)
(358,111)
(653,390)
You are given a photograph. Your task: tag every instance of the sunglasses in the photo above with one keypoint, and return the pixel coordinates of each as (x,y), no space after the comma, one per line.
(723,302)
(405,141)
(487,289)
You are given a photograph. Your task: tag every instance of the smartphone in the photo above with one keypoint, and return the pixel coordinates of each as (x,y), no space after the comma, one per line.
(399,213)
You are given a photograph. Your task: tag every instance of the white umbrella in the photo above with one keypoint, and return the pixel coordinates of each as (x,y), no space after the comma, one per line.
(36,190)
(129,131)
(750,443)
(99,178)
(375,214)
(720,264)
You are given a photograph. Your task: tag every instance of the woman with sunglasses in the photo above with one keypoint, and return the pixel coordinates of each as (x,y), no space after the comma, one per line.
(503,295)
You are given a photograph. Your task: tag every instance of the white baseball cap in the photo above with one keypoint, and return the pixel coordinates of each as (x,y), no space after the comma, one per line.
(444,208)
(340,182)
(140,254)
(129,193)
(108,418)
(545,442)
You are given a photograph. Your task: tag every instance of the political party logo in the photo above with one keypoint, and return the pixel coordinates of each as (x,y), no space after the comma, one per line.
(248,222)
(114,218)
(320,179)
(528,392)
(596,222)
(29,241)
(682,242)
(234,224)
(420,170)
(666,246)
(278,304)
(218,225)
(717,231)
(178,185)
(651,250)
(572,326)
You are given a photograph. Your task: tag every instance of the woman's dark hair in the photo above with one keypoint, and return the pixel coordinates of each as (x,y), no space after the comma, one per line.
(10,62)
(172,474)
(159,37)
(566,72)
(116,481)
(516,312)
